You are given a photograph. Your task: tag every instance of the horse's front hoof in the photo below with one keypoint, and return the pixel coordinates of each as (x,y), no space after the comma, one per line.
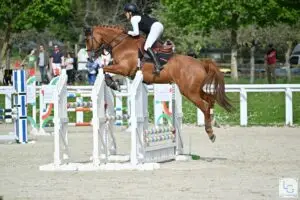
(212,138)
(118,88)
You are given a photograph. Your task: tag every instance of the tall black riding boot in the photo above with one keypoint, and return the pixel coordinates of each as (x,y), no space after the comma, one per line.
(157,65)
(111,83)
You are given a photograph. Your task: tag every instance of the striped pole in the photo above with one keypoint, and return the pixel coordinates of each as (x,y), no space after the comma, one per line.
(8,105)
(7,114)
(81,109)
(19,102)
(81,124)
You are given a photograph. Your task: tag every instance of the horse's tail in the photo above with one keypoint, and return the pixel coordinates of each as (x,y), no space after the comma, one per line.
(215,78)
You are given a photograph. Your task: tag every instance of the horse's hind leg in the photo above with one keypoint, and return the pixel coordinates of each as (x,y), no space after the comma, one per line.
(209,113)
(205,108)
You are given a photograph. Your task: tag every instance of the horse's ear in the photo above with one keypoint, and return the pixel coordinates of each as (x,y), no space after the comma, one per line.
(87,30)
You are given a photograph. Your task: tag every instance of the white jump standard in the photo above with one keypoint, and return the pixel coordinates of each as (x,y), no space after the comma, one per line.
(148,146)
(18,110)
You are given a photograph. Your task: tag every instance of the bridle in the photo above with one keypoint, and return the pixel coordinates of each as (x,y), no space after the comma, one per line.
(93,50)
(113,43)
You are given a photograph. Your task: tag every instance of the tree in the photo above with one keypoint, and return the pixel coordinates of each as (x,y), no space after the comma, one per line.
(187,39)
(208,14)
(292,4)
(17,16)
(94,12)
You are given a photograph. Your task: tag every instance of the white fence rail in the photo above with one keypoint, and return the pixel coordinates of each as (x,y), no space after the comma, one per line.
(243,89)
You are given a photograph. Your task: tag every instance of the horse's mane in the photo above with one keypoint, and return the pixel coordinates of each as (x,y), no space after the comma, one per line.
(116,27)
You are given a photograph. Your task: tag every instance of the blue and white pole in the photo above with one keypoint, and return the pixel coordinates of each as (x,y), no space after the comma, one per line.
(19,102)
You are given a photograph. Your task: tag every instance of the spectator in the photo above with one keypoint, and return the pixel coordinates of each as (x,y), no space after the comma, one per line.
(31,63)
(56,61)
(92,66)
(82,57)
(69,62)
(81,64)
(270,60)
(43,63)
(7,78)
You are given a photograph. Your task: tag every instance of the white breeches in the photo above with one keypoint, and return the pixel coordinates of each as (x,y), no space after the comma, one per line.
(155,32)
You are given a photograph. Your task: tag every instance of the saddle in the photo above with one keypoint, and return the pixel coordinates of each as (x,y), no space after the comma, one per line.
(163,51)
(158,47)
(162,47)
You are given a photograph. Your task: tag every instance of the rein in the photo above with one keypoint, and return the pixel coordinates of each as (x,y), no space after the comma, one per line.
(117,40)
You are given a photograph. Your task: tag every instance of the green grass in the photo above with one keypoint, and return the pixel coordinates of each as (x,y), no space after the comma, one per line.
(263,108)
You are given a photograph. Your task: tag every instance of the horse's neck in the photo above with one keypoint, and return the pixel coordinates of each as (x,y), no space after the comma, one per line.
(126,42)
(109,36)
(127,49)
(136,42)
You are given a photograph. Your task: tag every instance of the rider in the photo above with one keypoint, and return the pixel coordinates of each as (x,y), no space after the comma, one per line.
(150,26)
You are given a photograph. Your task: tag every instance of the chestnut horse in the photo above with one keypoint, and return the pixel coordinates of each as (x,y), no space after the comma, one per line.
(191,75)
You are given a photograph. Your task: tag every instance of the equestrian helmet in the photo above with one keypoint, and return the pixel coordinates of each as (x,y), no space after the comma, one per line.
(130,7)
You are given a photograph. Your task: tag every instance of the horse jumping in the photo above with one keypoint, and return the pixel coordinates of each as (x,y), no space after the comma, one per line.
(190,74)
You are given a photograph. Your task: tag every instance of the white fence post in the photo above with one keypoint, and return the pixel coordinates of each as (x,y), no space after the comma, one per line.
(243,107)
(79,114)
(119,109)
(200,117)
(288,106)
(177,118)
